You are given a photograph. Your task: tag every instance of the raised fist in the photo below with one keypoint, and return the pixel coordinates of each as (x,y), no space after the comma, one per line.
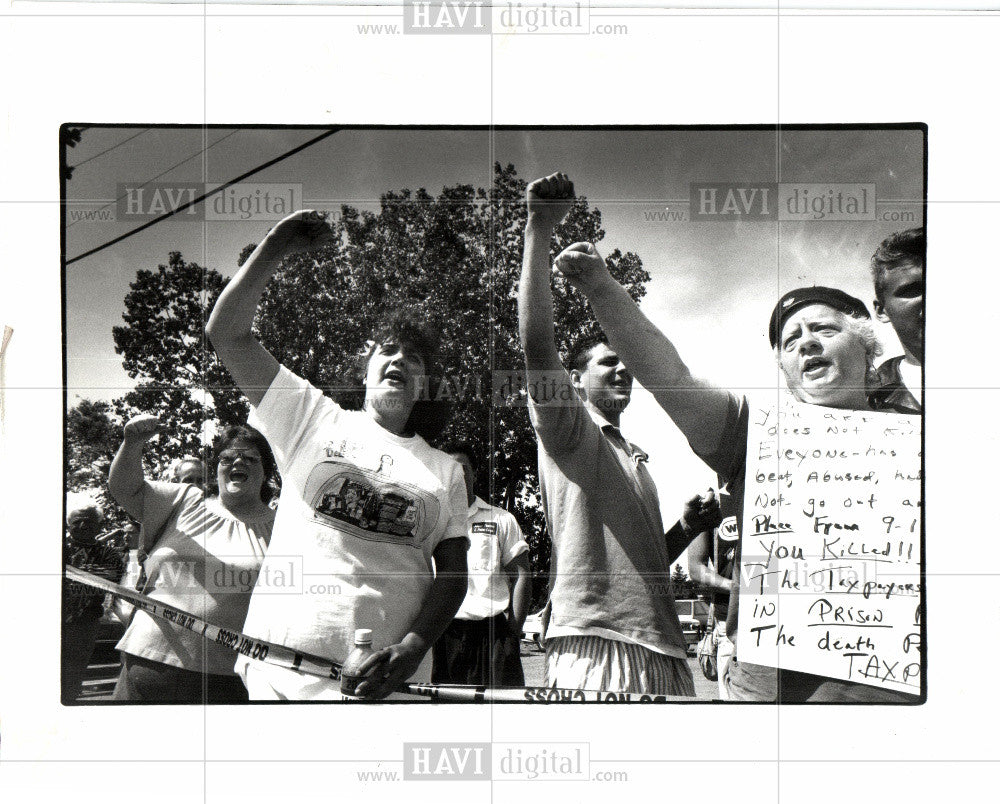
(142,428)
(549,199)
(305,230)
(581,265)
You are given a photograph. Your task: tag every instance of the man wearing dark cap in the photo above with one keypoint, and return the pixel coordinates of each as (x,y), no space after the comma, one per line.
(898,273)
(824,343)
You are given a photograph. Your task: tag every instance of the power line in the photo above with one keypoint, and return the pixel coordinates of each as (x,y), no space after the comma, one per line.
(164,173)
(107,150)
(203,196)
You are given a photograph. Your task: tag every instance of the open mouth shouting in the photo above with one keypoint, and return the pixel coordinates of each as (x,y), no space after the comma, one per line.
(395,377)
(815,367)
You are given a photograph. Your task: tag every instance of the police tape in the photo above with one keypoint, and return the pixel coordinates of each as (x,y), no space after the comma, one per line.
(281,656)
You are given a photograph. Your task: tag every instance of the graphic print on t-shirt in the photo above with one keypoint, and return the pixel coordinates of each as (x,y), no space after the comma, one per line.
(365,504)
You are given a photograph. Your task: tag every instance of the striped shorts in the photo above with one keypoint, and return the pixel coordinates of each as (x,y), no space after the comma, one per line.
(595,663)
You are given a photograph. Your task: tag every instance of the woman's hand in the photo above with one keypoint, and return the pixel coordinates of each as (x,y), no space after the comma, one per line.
(126,481)
(141,428)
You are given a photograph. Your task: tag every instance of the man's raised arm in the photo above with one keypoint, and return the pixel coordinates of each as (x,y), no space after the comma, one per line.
(250,364)
(697,408)
(549,199)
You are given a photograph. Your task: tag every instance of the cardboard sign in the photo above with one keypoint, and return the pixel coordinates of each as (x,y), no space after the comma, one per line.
(830,565)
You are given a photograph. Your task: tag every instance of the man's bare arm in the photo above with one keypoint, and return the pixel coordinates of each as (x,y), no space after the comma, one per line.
(699,564)
(548,199)
(698,408)
(519,574)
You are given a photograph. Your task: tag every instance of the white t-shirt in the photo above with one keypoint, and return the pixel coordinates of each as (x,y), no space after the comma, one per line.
(910,374)
(495,540)
(360,514)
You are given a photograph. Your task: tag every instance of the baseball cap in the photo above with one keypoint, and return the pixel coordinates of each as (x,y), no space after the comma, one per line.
(818,294)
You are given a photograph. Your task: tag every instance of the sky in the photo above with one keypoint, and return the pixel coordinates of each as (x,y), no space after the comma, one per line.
(713,284)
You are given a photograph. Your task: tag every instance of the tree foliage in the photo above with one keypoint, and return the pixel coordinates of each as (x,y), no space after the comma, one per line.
(455,259)
(162,343)
(92,437)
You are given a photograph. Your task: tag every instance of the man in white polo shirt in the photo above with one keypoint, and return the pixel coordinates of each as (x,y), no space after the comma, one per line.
(482,645)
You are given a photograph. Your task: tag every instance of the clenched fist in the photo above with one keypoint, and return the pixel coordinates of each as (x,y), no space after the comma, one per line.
(305,230)
(142,428)
(701,513)
(549,199)
(581,265)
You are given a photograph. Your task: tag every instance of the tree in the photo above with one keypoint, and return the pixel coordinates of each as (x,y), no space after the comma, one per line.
(163,346)
(681,585)
(93,434)
(456,259)
(91,440)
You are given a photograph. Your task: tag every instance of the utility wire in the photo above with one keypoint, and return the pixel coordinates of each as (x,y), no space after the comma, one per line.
(203,196)
(164,173)
(108,150)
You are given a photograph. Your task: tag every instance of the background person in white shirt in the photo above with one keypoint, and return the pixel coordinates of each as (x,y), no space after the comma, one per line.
(482,645)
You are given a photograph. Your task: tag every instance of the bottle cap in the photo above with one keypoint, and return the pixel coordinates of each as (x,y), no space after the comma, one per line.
(363,636)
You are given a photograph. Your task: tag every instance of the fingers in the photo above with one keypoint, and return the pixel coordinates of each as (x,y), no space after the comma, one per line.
(552,188)
(383,670)
(377,658)
(144,426)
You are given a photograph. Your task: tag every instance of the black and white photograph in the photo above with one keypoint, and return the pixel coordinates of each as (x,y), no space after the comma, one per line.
(567,399)
(355,416)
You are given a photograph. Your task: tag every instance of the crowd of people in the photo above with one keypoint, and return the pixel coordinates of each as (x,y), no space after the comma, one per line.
(439,576)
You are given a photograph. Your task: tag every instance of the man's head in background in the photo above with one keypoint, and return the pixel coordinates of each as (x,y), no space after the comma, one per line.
(84,520)
(898,272)
(462,452)
(187,470)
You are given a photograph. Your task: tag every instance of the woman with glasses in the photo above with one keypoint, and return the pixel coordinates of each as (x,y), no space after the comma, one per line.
(204,556)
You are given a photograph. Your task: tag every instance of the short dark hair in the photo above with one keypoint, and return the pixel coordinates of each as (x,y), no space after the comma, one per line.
(461,448)
(898,248)
(412,328)
(244,432)
(579,350)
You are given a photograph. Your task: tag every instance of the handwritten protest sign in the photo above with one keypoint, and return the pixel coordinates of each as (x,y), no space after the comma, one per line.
(830,564)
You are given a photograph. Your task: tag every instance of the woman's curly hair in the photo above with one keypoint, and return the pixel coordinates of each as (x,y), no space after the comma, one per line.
(430,414)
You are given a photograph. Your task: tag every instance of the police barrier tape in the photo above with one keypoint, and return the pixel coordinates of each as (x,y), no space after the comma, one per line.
(281,656)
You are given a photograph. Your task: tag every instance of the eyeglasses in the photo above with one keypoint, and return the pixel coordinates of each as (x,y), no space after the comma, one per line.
(228,458)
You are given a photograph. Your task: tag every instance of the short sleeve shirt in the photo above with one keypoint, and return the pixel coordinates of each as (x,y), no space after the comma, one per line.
(360,514)
(610,568)
(205,561)
(495,539)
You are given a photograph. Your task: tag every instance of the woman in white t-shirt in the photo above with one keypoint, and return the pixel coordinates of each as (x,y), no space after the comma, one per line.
(371,518)
(203,556)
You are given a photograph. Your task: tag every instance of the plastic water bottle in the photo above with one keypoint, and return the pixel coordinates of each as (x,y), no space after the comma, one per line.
(349,676)
(133,571)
